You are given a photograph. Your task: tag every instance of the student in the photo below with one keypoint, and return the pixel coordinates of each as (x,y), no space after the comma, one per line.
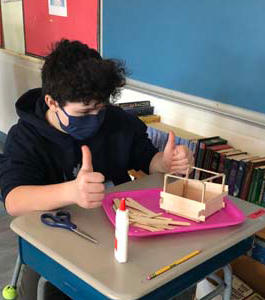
(70,141)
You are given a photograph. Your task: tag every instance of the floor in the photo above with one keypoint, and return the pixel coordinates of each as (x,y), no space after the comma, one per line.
(8,249)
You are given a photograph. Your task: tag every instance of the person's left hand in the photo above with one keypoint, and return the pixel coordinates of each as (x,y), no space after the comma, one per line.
(176,158)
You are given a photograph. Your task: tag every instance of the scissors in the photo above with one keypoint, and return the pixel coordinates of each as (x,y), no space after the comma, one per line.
(62,219)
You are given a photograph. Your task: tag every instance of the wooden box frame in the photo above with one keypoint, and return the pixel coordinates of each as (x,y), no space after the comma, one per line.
(193,199)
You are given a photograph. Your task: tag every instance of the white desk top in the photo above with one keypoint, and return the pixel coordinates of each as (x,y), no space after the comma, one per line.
(95,263)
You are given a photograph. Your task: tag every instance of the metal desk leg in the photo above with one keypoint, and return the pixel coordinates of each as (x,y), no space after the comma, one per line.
(228,282)
(41,288)
(224,287)
(16,271)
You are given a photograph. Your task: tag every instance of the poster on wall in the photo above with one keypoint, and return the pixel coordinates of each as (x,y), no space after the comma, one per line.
(48,21)
(1,28)
(58,7)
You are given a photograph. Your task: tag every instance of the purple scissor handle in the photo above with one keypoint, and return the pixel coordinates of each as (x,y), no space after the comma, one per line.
(62,219)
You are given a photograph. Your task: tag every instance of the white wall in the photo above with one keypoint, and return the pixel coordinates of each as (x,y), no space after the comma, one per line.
(20,73)
(17,74)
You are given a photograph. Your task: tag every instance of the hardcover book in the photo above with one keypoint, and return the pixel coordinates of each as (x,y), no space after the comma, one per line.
(140,110)
(150,118)
(258,186)
(202,144)
(262,193)
(239,178)
(232,176)
(134,104)
(248,176)
(252,185)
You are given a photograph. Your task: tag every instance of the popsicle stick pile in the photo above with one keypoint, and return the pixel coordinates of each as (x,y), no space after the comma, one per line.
(144,218)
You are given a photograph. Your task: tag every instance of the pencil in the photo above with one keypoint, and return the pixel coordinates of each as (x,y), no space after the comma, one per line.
(175,263)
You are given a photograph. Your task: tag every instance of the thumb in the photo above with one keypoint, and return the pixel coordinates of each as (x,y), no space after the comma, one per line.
(86,159)
(170,145)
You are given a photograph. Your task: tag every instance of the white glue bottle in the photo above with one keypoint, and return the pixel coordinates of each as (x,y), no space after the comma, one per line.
(121,233)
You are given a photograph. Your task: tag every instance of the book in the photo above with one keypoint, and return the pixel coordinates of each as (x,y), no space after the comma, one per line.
(254,296)
(258,186)
(223,154)
(220,147)
(237,172)
(250,158)
(262,195)
(262,191)
(240,290)
(252,184)
(230,152)
(207,163)
(239,178)
(158,137)
(177,131)
(149,118)
(230,168)
(158,134)
(134,104)
(248,176)
(200,153)
(215,157)
(212,158)
(234,164)
(139,110)
(227,166)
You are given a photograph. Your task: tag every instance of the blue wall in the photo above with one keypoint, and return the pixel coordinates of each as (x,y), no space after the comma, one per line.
(210,48)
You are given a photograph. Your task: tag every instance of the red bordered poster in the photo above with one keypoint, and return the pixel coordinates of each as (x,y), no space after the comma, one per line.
(47,21)
(1,28)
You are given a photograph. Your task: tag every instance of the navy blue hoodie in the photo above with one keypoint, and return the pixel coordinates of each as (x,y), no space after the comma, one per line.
(36,153)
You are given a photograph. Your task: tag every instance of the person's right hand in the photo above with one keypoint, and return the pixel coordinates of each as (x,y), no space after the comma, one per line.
(89,185)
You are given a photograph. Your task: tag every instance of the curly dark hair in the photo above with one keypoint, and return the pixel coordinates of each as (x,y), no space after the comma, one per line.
(73,72)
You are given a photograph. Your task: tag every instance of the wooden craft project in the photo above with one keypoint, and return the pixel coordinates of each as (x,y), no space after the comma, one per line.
(193,199)
(144,218)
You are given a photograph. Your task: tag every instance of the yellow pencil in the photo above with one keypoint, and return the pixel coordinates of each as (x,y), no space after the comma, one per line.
(175,263)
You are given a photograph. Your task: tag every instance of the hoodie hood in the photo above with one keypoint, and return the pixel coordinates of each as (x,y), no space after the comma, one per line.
(31,108)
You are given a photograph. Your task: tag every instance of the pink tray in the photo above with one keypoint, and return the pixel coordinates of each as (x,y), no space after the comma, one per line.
(149,198)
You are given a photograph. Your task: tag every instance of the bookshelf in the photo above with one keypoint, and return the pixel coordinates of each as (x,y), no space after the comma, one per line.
(245,172)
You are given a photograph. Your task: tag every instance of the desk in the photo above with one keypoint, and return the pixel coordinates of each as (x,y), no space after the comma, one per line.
(88,271)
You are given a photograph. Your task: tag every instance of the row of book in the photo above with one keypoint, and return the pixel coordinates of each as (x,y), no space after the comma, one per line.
(141,109)
(245,173)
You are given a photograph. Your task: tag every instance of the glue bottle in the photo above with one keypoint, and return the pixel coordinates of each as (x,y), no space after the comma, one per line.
(121,232)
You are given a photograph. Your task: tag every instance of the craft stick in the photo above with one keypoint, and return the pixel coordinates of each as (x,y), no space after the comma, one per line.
(144,218)
(173,222)
(117,201)
(164,218)
(164,226)
(151,221)
(134,204)
(149,228)
(161,226)
(136,212)
(140,213)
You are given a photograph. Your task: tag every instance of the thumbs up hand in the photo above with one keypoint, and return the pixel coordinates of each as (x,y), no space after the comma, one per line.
(89,185)
(176,159)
